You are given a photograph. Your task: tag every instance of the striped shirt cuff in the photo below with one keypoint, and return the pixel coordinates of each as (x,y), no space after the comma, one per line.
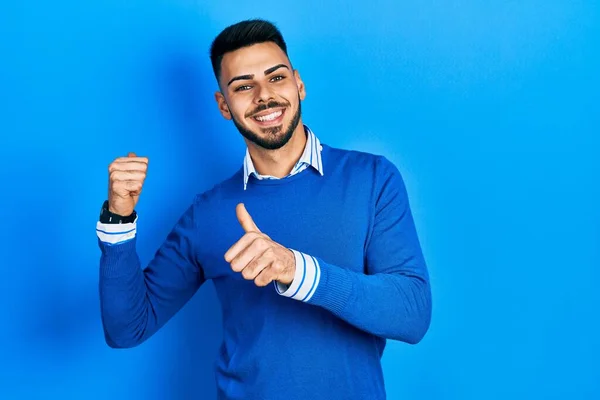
(112,234)
(306,278)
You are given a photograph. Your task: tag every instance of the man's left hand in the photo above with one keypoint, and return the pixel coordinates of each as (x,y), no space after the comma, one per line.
(258,257)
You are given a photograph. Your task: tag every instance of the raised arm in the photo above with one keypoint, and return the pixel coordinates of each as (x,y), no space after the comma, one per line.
(136,302)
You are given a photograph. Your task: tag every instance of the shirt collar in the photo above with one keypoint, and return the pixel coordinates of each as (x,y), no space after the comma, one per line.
(311,157)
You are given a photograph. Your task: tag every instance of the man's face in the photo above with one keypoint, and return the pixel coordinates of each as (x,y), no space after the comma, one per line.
(261,94)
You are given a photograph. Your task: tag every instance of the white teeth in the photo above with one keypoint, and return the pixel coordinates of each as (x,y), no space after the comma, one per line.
(269,117)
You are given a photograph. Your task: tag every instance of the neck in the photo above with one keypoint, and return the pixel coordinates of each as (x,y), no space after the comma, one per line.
(280,162)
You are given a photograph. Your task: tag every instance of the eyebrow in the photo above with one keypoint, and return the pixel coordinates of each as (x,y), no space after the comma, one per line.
(267,72)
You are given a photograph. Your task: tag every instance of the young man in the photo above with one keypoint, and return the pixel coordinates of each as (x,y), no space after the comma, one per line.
(312,250)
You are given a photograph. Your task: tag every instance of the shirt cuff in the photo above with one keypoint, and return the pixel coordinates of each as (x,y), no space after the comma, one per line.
(113,234)
(306,278)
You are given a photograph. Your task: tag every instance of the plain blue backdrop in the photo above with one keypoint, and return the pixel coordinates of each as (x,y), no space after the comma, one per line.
(489,109)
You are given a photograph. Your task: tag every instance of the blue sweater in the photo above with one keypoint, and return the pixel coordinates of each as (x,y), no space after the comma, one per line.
(354,222)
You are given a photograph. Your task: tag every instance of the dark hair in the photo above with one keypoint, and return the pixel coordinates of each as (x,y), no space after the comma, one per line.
(243,34)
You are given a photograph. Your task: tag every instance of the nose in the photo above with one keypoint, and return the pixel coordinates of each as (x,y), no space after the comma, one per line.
(263,94)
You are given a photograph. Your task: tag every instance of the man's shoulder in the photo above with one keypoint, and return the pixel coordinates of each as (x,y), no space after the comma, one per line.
(222,190)
(369,170)
(358,159)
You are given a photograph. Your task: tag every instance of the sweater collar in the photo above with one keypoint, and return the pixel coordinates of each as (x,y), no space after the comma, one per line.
(311,157)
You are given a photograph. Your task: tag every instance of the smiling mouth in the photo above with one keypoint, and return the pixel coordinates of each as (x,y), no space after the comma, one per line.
(273,117)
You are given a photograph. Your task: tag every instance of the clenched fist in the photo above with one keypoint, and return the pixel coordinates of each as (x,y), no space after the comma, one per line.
(126,178)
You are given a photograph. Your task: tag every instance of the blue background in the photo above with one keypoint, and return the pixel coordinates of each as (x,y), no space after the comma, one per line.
(490,110)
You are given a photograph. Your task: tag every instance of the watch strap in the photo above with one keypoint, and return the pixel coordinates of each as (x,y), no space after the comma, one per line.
(107,217)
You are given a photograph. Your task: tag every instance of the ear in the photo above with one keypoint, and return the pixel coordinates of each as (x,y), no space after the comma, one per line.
(300,84)
(222,104)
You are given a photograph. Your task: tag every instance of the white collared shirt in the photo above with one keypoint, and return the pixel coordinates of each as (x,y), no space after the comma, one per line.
(310,158)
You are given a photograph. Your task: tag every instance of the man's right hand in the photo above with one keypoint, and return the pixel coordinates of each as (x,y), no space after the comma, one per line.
(126,178)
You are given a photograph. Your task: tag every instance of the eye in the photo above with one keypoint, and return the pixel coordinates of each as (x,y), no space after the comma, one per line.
(277,78)
(242,88)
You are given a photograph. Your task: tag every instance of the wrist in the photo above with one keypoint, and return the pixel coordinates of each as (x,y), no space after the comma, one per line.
(118,212)
(110,215)
(290,270)
(306,278)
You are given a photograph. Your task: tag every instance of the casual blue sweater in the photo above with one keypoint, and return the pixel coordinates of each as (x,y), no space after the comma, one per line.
(371,282)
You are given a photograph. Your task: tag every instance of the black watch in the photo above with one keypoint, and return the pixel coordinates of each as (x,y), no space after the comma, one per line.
(106,217)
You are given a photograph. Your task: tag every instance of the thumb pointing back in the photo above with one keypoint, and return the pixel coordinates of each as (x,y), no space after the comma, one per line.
(245,219)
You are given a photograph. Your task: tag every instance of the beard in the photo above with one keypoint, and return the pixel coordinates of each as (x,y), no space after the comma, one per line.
(272,138)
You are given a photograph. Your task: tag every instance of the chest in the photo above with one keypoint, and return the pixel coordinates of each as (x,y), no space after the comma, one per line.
(324,221)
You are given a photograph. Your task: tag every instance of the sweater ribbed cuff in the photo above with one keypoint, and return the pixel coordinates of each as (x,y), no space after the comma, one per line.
(335,288)
(118,260)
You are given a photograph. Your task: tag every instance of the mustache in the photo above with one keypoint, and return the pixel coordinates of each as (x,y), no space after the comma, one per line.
(263,107)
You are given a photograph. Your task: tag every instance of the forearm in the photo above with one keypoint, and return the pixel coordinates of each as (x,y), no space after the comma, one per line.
(390,305)
(126,309)
(394,305)
(135,303)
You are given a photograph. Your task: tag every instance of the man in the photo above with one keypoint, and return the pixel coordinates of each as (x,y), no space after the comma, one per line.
(312,250)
